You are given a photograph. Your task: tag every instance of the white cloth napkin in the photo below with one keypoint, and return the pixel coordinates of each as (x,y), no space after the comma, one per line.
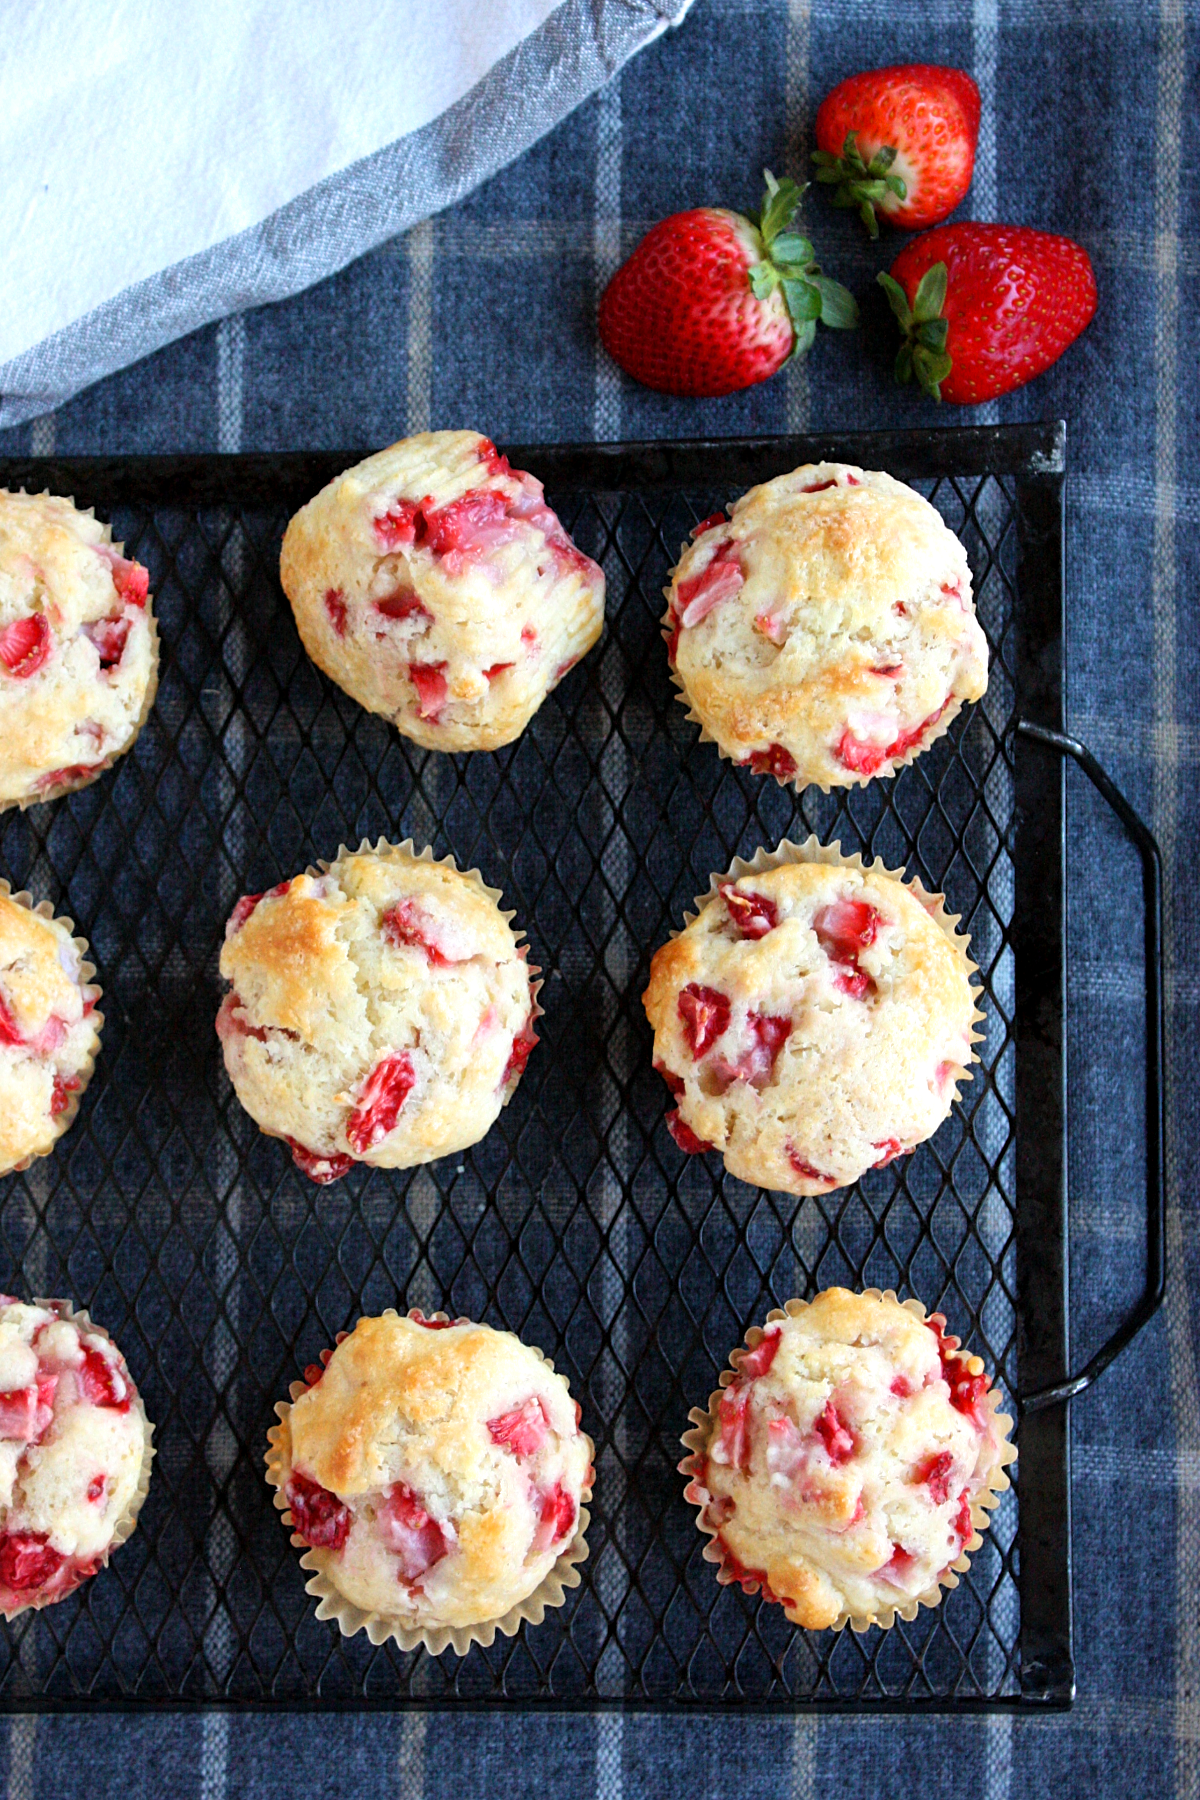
(169,161)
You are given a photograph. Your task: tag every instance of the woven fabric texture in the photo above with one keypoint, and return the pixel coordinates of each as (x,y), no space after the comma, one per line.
(484,317)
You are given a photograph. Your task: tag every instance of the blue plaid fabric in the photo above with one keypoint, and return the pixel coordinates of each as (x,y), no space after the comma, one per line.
(484,316)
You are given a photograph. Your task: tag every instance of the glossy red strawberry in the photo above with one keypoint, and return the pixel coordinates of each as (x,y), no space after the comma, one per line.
(986,308)
(711,300)
(900,142)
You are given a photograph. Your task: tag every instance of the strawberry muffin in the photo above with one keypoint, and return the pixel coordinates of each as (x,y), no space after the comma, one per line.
(436,1471)
(78,649)
(434,584)
(846,1463)
(824,633)
(813,1021)
(74,1451)
(381,1010)
(49,1028)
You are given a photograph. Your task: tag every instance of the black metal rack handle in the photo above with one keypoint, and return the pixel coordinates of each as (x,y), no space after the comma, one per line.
(1156,1200)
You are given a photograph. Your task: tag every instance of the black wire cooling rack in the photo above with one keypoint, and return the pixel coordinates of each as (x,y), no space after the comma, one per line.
(221,1271)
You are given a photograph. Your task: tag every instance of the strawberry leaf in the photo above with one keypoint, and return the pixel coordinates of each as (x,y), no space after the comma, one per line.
(805,338)
(839,308)
(857,183)
(922,354)
(790,247)
(779,203)
(803,301)
(762,279)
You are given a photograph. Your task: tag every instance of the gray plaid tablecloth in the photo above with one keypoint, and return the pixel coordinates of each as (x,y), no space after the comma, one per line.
(484,317)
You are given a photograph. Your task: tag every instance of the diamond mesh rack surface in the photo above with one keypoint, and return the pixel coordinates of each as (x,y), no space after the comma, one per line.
(222,1271)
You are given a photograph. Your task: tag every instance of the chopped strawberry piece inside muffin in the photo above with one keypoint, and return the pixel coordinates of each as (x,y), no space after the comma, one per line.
(753,914)
(705,1014)
(317,1515)
(25,646)
(523,1430)
(387,1088)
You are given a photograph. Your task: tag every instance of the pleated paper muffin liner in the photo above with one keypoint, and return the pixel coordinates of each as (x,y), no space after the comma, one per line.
(90,991)
(550,1592)
(114,756)
(813,851)
(408,848)
(127,1523)
(800,782)
(728,1570)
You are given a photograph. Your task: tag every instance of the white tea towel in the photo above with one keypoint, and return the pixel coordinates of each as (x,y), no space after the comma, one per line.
(168,162)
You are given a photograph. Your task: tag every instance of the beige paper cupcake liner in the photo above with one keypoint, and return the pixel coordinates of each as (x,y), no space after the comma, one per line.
(696,1441)
(408,848)
(114,756)
(90,991)
(797,782)
(550,1592)
(126,1525)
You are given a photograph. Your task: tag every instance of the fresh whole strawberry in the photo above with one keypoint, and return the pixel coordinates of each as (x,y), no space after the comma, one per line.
(986,308)
(900,141)
(712,300)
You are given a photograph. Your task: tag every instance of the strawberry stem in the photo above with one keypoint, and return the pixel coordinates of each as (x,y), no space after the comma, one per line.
(858,183)
(788,264)
(923,352)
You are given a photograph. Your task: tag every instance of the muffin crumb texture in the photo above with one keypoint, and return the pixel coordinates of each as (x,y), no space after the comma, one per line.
(381,1012)
(848,1462)
(78,652)
(73,1441)
(434,1469)
(824,632)
(433,583)
(48,1030)
(811,1023)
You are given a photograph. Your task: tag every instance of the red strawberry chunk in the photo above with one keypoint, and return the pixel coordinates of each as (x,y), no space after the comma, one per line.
(890,671)
(247,904)
(335,606)
(318,1166)
(386,1089)
(492,460)
(96,1488)
(407,924)
(565,668)
(756,1362)
(675,1082)
(130,579)
(523,1431)
(25,646)
(935,1473)
(868,758)
(753,914)
(556,1517)
(773,626)
(403,523)
(404,603)
(318,1516)
(101,1382)
(719,580)
(891,1148)
(898,1565)
(430,682)
(835,1434)
(846,927)
(27,1561)
(756,1064)
(967,1391)
(734,1436)
(51,1037)
(900,1388)
(684,1136)
(437,1324)
(518,1056)
(807,1172)
(413,1536)
(470,528)
(819,487)
(775,760)
(709,524)
(46,784)
(60,1094)
(9,1030)
(704,1014)
(496,670)
(109,636)
(964,1524)
(26,1412)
